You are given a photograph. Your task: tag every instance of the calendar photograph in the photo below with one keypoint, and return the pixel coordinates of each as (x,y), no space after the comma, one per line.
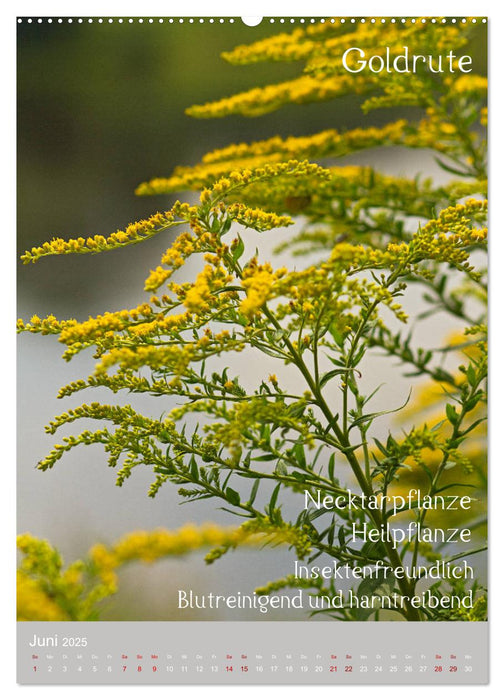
(252,350)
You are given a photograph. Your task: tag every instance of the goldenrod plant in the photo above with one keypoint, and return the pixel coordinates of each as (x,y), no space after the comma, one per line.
(260,443)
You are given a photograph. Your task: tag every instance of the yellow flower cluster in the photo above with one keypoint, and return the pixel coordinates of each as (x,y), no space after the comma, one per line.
(256,218)
(449,237)
(432,132)
(470,84)
(317,294)
(330,142)
(444,238)
(170,358)
(103,325)
(157,278)
(300,90)
(161,325)
(85,438)
(33,603)
(44,326)
(257,281)
(183,178)
(174,257)
(134,233)
(77,335)
(38,555)
(295,46)
(47,591)
(104,565)
(151,546)
(353,257)
(240,158)
(263,530)
(200,295)
(125,416)
(292,168)
(457,219)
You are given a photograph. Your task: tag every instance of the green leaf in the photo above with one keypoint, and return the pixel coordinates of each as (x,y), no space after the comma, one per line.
(375,391)
(451,414)
(264,458)
(380,585)
(471,375)
(281,468)
(372,416)
(452,485)
(473,401)
(450,169)
(194,469)
(330,466)
(225,226)
(329,375)
(266,350)
(233,512)
(468,553)
(300,455)
(339,338)
(337,361)
(360,353)
(297,410)
(226,481)
(238,251)
(253,492)
(273,499)
(374,550)
(330,533)
(381,447)
(233,496)
(317,513)
(299,476)
(266,432)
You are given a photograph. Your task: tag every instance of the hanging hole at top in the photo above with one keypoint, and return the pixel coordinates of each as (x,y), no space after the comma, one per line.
(251,21)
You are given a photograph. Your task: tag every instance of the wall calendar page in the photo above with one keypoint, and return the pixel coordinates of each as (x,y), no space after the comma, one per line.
(252,353)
